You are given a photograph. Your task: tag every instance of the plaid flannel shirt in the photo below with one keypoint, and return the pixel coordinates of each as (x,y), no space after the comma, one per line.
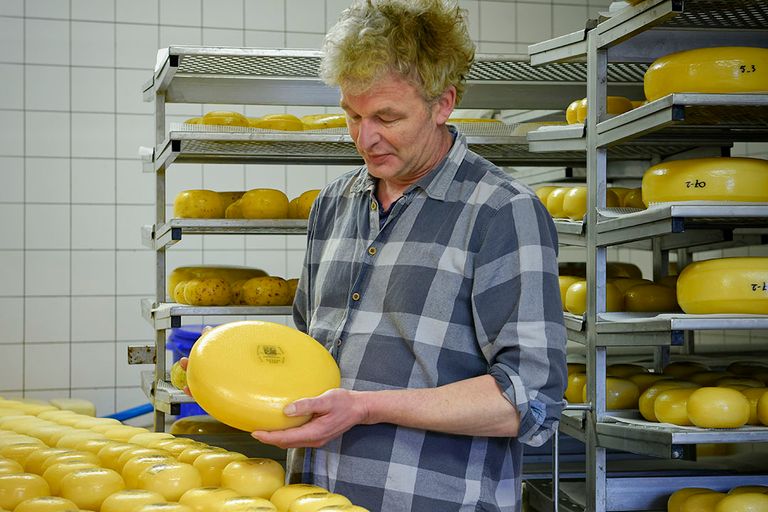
(461,280)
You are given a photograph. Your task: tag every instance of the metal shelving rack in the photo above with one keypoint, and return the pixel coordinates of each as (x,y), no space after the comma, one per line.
(189,74)
(642,33)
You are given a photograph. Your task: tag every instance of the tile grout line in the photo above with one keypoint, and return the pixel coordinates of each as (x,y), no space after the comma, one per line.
(71,227)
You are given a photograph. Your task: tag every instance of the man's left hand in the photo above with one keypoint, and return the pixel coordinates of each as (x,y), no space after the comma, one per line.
(333,413)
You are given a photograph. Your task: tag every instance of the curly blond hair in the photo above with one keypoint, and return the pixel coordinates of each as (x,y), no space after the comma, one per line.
(424,41)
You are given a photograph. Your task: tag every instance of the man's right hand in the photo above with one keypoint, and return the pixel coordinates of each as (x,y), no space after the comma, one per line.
(184,362)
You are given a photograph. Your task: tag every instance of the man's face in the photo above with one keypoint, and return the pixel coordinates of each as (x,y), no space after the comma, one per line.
(395,130)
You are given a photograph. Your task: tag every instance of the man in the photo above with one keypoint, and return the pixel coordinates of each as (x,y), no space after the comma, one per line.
(431,276)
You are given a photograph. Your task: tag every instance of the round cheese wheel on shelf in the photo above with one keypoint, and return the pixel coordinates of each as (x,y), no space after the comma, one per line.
(743,502)
(258,368)
(702,502)
(680,495)
(671,406)
(753,396)
(46,504)
(283,497)
(615,105)
(721,70)
(247,504)
(257,477)
(17,487)
(224,118)
(205,499)
(710,407)
(724,285)
(130,500)
(706,179)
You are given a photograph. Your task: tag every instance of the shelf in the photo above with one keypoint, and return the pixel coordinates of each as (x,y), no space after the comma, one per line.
(200,144)
(258,76)
(649,492)
(679,224)
(168,315)
(627,35)
(655,440)
(163,395)
(691,118)
(570,232)
(156,237)
(572,138)
(623,329)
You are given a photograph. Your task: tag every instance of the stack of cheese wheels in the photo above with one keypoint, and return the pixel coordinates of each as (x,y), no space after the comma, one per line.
(133,469)
(258,368)
(724,285)
(745,498)
(570,202)
(210,284)
(731,69)
(576,112)
(707,179)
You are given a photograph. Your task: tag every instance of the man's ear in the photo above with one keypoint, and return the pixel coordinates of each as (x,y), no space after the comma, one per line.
(444,105)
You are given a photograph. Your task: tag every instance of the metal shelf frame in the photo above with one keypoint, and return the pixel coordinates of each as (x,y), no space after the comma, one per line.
(640,34)
(167,315)
(171,232)
(193,74)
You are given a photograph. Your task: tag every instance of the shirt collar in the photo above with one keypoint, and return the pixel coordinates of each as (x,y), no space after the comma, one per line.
(435,183)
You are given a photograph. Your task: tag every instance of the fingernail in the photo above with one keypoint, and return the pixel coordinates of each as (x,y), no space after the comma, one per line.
(289,410)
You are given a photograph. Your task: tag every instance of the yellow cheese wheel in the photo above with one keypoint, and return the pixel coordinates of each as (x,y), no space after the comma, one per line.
(729,69)
(739,382)
(281,122)
(130,500)
(198,204)
(20,451)
(224,118)
(10,466)
(646,380)
(543,192)
(743,502)
(305,201)
(121,432)
(110,454)
(708,378)
(317,500)
(174,446)
(144,438)
(33,463)
(68,456)
(565,282)
(647,298)
(205,499)
(714,407)
(633,199)
(746,368)
(264,203)
(680,495)
(576,298)
(671,406)
(283,496)
(625,283)
(555,202)
(725,285)
(753,395)
(702,502)
(133,467)
(46,504)
(575,202)
(648,397)
(707,179)
(207,292)
(90,487)
(257,477)
(141,451)
(71,440)
(266,291)
(228,273)
(171,479)
(575,389)
(616,269)
(192,452)
(211,464)
(324,121)
(247,504)
(92,445)
(259,368)
(619,394)
(576,368)
(17,487)
(570,112)
(56,473)
(615,105)
(230,197)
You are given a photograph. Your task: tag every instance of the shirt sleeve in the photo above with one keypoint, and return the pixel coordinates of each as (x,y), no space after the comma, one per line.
(518,314)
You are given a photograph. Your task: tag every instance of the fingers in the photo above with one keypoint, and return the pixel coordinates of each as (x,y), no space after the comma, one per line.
(183,362)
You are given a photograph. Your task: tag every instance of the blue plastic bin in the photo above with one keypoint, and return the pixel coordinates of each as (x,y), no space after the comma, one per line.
(180,342)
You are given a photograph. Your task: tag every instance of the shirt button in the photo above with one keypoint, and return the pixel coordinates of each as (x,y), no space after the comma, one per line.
(371,251)
(355,296)
(338,342)
(373,205)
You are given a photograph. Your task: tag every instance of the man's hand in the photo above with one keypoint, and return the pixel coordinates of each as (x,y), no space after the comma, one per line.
(333,413)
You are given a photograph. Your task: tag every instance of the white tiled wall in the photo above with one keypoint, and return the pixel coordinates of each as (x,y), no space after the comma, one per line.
(72,194)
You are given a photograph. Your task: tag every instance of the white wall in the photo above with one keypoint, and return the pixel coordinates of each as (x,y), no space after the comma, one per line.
(72,194)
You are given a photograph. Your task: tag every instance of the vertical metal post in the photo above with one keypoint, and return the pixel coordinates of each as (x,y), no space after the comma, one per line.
(556,470)
(597,60)
(159,417)
(683,259)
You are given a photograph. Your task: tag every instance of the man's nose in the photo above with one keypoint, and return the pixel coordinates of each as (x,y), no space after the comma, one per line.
(368,134)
